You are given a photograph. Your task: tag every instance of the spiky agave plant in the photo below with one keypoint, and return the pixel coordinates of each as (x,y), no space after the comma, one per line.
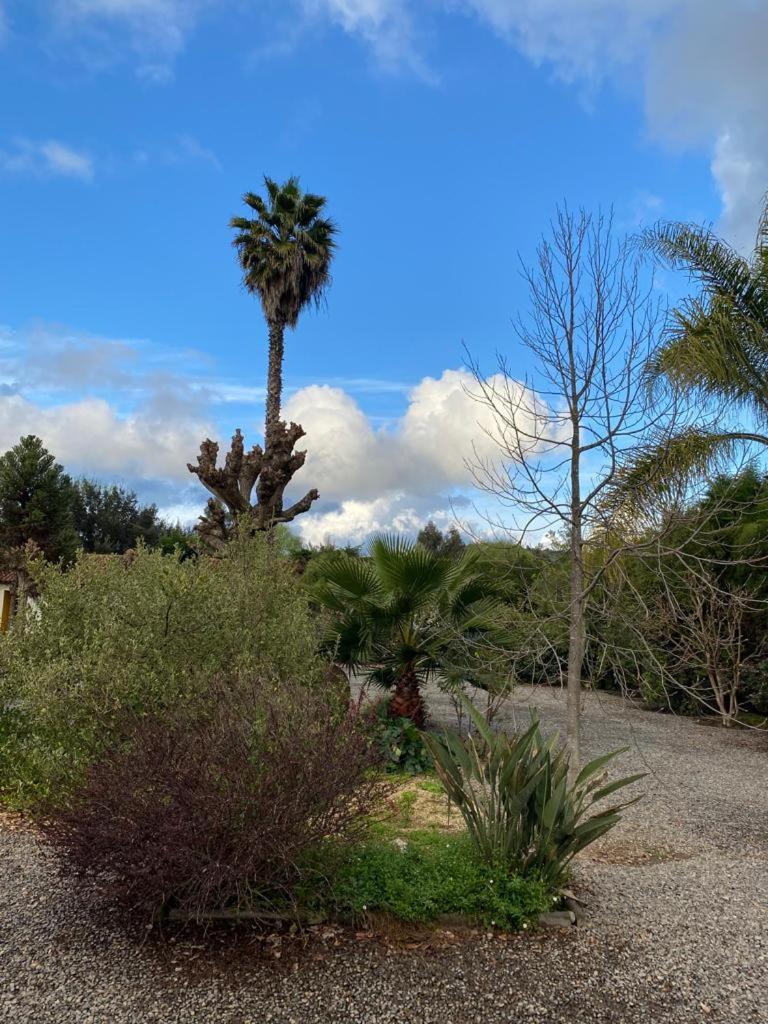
(513,793)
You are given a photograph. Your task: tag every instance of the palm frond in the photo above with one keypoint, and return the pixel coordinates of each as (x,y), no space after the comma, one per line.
(347,581)
(707,258)
(667,465)
(406,569)
(712,351)
(286,250)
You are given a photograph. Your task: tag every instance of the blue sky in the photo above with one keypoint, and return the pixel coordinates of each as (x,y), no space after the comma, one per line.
(443,135)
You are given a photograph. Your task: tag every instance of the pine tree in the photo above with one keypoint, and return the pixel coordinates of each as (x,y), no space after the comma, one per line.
(35,501)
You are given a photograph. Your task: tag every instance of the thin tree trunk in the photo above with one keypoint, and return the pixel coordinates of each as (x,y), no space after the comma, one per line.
(576,633)
(576,646)
(407,701)
(274,378)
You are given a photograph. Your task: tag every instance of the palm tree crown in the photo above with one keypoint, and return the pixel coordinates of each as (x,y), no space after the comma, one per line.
(404,614)
(285,252)
(718,342)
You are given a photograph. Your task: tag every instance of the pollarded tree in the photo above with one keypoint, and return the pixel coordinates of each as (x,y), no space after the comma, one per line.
(405,615)
(35,501)
(285,252)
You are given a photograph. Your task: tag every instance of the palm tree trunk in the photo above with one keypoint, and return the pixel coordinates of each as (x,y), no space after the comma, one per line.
(274,378)
(407,701)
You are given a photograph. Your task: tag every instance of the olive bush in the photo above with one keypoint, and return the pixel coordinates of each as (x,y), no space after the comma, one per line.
(137,635)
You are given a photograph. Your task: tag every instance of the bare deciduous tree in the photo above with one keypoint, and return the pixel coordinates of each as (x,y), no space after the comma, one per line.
(563,432)
(680,624)
(704,631)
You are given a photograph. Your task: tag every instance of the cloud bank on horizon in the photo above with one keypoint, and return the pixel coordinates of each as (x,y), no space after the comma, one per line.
(57,383)
(398,477)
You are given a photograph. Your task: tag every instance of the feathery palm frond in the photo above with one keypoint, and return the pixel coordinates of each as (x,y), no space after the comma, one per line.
(717,345)
(712,262)
(285,251)
(667,466)
(718,341)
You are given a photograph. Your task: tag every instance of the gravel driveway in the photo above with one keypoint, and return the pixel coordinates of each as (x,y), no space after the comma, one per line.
(676,928)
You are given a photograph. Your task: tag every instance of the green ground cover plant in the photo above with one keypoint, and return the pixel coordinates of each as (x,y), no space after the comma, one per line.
(426,876)
(399,741)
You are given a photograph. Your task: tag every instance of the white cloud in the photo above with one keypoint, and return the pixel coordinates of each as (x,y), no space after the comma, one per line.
(110,407)
(740,169)
(397,477)
(49,158)
(385,25)
(700,66)
(155,31)
(424,451)
(119,409)
(89,436)
(701,63)
(354,521)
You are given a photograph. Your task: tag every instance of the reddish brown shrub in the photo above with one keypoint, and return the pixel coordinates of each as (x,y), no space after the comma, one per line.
(205,812)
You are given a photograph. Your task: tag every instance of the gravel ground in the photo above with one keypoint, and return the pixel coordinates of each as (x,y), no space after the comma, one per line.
(675,931)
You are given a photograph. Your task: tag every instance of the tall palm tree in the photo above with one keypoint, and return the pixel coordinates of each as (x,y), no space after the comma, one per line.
(404,615)
(716,348)
(285,252)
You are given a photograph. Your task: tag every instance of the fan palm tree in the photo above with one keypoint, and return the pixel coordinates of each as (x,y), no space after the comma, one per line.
(285,252)
(401,614)
(716,348)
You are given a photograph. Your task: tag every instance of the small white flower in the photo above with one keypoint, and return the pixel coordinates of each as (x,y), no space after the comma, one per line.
(525,926)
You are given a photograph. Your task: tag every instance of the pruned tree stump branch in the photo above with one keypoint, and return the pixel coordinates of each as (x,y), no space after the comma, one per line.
(269,470)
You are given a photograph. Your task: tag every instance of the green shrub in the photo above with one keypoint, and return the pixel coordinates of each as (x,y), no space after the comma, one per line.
(754,681)
(119,637)
(514,796)
(401,744)
(430,875)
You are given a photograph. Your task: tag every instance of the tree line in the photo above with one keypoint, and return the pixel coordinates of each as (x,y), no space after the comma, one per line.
(41,504)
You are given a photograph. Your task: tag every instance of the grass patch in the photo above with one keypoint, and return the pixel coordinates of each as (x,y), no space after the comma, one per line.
(422,878)
(751,718)
(417,805)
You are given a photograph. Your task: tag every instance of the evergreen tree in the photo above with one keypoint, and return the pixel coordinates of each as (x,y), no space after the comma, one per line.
(110,520)
(36,499)
(439,543)
(285,252)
